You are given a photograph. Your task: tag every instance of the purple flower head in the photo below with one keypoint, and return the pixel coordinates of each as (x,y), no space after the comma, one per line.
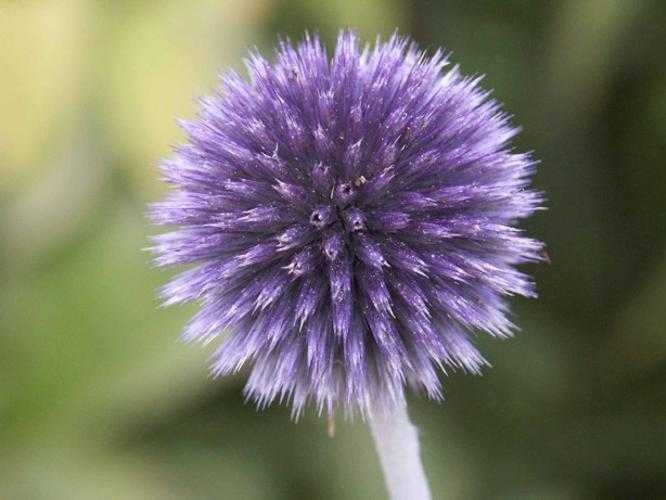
(350,220)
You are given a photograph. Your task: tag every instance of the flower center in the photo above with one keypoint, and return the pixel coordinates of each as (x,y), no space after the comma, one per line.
(341,215)
(343,194)
(354,219)
(322,216)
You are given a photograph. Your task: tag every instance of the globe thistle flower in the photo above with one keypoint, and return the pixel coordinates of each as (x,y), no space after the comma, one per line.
(350,222)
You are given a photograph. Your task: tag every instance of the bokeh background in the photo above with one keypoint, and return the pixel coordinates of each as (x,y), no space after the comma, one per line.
(99,400)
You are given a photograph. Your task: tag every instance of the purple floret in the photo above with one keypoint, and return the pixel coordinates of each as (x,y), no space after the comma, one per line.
(350,222)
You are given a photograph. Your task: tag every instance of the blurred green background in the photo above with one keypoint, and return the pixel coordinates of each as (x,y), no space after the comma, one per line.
(99,400)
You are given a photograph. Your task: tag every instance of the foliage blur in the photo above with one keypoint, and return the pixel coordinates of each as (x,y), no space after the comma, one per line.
(99,400)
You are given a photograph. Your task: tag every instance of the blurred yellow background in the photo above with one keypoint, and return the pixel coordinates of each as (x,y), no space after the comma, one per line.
(98,399)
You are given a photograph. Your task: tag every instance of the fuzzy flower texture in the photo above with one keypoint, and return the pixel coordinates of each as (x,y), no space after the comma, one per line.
(350,221)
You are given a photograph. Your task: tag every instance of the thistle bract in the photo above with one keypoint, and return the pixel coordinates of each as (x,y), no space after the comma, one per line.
(350,222)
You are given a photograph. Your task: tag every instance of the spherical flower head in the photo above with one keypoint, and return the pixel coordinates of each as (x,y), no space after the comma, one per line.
(350,221)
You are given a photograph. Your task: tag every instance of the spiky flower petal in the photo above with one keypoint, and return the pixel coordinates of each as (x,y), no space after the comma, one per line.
(350,221)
